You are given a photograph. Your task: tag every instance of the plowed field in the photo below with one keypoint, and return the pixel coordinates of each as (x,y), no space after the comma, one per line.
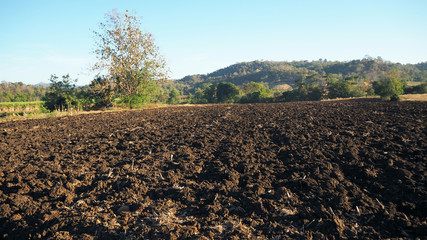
(331,170)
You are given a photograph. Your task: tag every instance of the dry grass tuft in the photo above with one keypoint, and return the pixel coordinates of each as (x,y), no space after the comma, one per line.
(287,211)
(234,226)
(167,218)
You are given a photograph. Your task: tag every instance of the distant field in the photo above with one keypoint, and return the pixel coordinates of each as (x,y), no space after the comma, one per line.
(405,97)
(414,97)
(11,110)
(414,83)
(19,106)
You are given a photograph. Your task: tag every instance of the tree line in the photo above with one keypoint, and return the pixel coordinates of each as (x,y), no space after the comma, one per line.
(62,94)
(131,71)
(311,88)
(277,73)
(20,92)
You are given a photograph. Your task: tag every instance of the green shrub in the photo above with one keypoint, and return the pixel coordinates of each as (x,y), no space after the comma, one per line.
(173,97)
(226,92)
(61,94)
(389,87)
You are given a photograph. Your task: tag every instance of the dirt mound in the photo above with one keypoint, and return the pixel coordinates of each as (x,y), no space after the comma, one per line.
(332,170)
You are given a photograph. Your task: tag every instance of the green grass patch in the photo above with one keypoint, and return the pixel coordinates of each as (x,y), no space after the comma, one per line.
(414,83)
(21,104)
(21,108)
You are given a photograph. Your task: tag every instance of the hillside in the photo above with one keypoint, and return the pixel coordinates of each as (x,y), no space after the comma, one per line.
(279,73)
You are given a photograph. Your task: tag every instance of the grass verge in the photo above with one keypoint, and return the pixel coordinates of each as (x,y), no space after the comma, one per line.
(34,110)
(16,114)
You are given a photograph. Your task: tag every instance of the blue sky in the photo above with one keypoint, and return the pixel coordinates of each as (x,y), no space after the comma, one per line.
(41,37)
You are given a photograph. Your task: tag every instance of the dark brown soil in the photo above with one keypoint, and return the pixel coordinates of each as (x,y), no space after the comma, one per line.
(331,170)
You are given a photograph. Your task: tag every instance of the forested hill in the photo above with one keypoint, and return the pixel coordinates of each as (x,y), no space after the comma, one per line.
(279,73)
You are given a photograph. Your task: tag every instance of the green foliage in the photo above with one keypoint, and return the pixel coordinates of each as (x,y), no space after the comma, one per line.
(103,90)
(365,71)
(27,109)
(133,101)
(338,88)
(216,93)
(173,97)
(344,88)
(308,90)
(21,108)
(309,80)
(256,97)
(255,93)
(421,66)
(252,87)
(390,86)
(84,98)
(130,57)
(226,92)
(61,94)
(136,100)
(209,93)
(20,92)
(198,97)
(21,104)
(162,95)
(241,73)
